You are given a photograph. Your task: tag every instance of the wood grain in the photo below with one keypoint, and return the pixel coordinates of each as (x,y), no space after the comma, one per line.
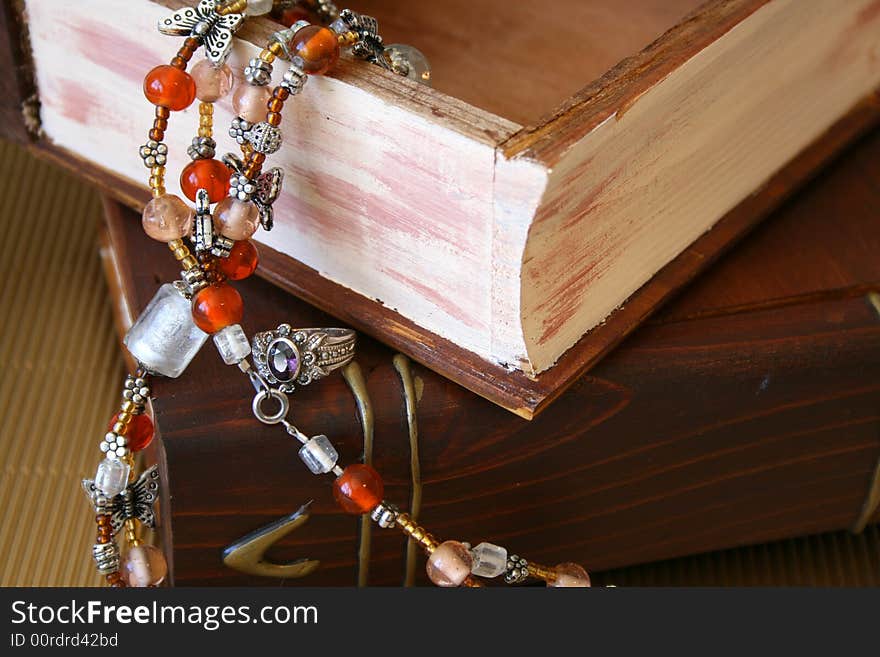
(748,413)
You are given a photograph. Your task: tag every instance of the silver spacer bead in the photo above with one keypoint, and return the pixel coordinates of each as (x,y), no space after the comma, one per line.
(222,246)
(265,138)
(202,148)
(241,187)
(294,79)
(283,37)
(203,232)
(258,72)
(385,514)
(106,557)
(517,570)
(154,153)
(239,128)
(183,289)
(195,279)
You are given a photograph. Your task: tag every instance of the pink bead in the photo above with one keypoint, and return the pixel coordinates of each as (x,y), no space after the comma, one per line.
(144,565)
(449,564)
(235,219)
(167,218)
(570,575)
(212,83)
(249,102)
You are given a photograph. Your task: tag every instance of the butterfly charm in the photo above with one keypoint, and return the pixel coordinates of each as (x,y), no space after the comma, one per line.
(136,501)
(204,23)
(268,186)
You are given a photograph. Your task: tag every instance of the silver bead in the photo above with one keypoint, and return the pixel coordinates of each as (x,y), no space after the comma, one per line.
(104,446)
(138,399)
(385,514)
(517,570)
(265,138)
(258,72)
(106,557)
(222,246)
(283,37)
(195,279)
(202,148)
(154,153)
(201,28)
(140,382)
(241,187)
(203,231)
(239,128)
(127,394)
(294,79)
(326,10)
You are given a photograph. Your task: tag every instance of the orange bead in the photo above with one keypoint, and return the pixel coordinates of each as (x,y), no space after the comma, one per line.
(170,87)
(211,175)
(290,16)
(216,307)
(241,262)
(317,47)
(358,489)
(139,433)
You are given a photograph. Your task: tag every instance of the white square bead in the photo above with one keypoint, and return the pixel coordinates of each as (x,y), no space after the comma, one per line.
(319,455)
(164,338)
(489,560)
(112,476)
(233,344)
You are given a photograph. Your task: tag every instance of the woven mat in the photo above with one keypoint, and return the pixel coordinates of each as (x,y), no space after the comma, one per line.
(60,370)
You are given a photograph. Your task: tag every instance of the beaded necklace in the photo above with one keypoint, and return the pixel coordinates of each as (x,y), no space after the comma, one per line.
(232,199)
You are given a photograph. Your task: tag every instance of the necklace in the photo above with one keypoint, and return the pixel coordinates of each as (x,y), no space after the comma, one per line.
(232,198)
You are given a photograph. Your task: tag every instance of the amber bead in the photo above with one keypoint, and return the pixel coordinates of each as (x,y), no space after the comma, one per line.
(167,218)
(249,102)
(358,489)
(317,47)
(235,219)
(211,175)
(241,262)
(170,87)
(212,82)
(216,307)
(144,565)
(139,433)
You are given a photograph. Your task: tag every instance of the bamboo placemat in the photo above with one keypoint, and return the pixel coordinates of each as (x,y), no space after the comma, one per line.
(60,370)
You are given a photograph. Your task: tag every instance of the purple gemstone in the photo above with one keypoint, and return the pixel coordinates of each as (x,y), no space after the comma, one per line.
(283,360)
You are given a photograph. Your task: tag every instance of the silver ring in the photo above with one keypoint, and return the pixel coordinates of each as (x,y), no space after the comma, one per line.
(301,355)
(277,416)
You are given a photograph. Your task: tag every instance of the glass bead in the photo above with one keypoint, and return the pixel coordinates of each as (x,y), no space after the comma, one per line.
(294,15)
(319,455)
(167,86)
(233,344)
(236,219)
(111,477)
(144,566)
(139,433)
(570,575)
(241,262)
(208,174)
(249,102)
(216,307)
(167,218)
(358,489)
(449,564)
(317,47)
(411,60)
(489,560)
(212,82)
(164,339)
(258,7)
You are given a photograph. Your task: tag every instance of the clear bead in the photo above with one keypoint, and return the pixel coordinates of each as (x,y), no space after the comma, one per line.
(409,62)
(164,338)
(489,560)
(112,476)
(449,564)
(232,343)
(319,455)
(258,7)
(570,575)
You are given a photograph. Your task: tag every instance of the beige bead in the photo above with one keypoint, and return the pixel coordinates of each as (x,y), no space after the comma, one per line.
(212,83)
(570,575)
(249,102)
(449,564)
(144,566)
(167,218)
(235,219)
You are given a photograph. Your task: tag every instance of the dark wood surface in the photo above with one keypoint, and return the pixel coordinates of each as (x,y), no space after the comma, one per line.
(748,410)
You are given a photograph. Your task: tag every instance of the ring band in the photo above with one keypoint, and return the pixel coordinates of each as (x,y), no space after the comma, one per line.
(302,355)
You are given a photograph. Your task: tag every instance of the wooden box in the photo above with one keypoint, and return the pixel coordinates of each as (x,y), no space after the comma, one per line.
(745,411)
(569,158)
